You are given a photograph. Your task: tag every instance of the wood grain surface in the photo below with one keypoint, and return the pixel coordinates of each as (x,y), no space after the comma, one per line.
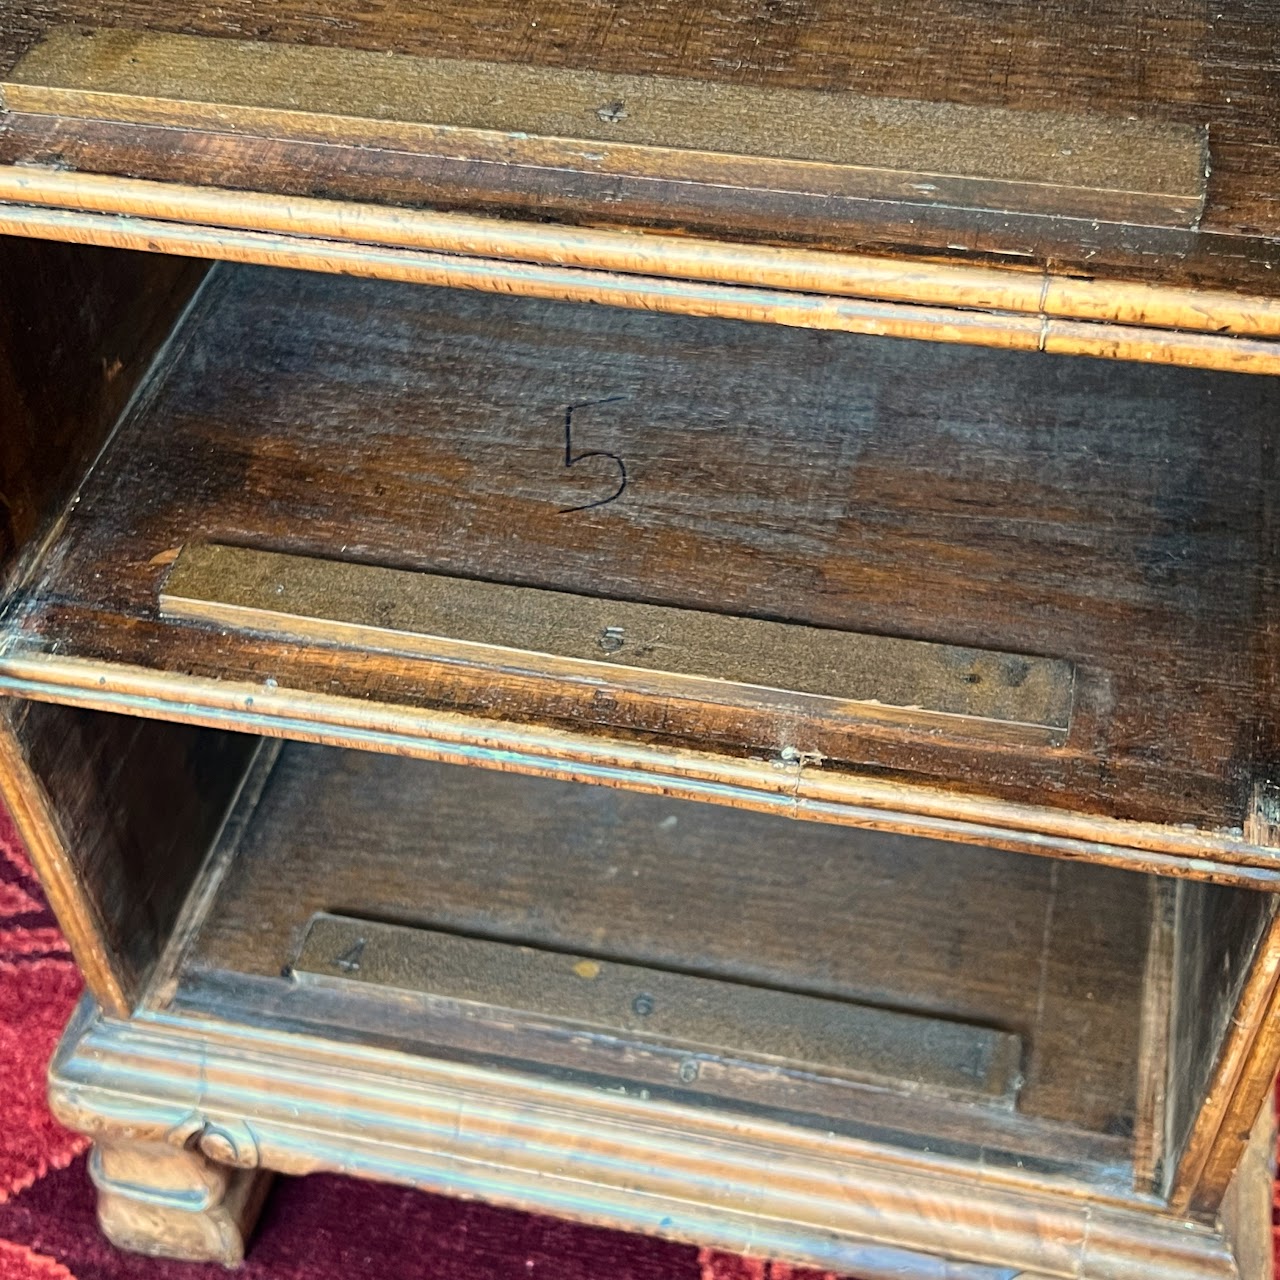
(1053,952)
(636,648)
(622,1157)
(1221,324)
(660,128)
(79,327)
(1108,515)
(710,1021)
(119,814)
(1218,936)
(1187,66)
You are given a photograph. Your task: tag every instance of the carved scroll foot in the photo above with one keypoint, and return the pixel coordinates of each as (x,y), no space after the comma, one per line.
(174,1202)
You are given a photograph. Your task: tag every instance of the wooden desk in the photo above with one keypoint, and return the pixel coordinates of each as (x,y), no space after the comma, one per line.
(670,618)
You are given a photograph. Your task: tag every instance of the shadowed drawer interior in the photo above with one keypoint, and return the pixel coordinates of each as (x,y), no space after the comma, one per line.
(959,996)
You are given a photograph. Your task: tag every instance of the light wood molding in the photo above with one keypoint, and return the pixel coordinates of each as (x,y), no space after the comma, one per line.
(297,1104)
(1014,309)
(793,787)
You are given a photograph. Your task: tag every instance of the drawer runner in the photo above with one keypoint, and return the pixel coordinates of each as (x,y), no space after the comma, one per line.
(526,987)
(650,650)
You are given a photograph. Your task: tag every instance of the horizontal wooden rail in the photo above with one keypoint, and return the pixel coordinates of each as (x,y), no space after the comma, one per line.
(801,288)
(787,786)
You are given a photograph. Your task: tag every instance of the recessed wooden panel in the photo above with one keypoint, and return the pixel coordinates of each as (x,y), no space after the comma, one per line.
(1052,952)
(704,1015)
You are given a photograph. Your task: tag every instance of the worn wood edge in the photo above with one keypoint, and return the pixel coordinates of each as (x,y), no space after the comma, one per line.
(1247,1207)
(237,1040)
(1082,164)
(1153,1037)
(222,851)
(298,1104)
(871,317)
(786,784)
(328,602)
(1243,1079)
(77,916)
(1038,293)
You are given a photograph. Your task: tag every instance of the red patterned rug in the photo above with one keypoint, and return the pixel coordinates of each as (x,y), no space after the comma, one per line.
(316,1228)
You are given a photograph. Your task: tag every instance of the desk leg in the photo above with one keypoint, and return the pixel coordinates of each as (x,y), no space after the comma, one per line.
(174,1202)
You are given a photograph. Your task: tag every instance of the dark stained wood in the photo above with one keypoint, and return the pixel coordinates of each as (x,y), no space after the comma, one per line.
(78,329)
(72,899)
(1052,951)
(1109,515)
(136,805)
(367,175)
(1186,64)
(667,128)
(1217,932)
(1118,520)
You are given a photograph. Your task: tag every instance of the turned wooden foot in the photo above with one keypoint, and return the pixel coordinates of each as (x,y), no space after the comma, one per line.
(174,1202)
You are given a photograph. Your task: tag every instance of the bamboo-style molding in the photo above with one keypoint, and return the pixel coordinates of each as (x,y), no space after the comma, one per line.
(1012,308)
(1003,330)
(789,789)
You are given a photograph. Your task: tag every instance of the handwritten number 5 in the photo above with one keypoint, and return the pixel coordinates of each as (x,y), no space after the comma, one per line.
(571,458)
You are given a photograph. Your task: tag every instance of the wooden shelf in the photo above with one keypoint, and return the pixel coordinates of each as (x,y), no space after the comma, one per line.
(1111,519)
(281,551)
(1128,142)
(904,962)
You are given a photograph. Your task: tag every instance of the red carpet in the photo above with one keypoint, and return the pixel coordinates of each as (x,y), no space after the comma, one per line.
(317,1228)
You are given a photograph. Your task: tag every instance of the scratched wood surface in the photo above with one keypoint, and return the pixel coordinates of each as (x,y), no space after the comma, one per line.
(1109,515)
(664,128)
(1209,67)
(1051,951)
